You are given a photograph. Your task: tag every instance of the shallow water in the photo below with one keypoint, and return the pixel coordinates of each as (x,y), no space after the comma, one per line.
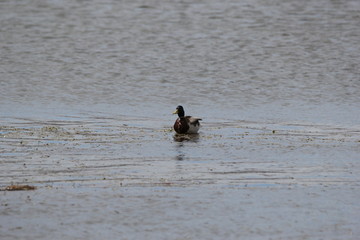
(87,91)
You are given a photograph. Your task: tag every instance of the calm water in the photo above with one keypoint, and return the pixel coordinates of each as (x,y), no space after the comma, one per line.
(86,94)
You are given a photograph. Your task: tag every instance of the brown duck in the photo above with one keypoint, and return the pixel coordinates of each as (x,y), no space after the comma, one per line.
(185,124)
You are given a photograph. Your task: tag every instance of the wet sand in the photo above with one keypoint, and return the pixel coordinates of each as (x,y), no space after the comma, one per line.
(131,178)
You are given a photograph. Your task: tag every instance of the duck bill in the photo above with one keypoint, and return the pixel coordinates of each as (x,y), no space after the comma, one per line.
(176,112)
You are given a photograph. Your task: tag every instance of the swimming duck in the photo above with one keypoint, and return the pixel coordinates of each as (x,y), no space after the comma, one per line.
(185,124)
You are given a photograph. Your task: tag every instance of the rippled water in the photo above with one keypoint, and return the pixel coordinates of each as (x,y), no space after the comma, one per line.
(86,94)
(279,60)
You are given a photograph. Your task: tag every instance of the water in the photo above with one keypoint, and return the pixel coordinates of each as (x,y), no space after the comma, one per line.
(86,95)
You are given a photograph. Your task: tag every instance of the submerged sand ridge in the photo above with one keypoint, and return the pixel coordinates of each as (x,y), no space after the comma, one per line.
(236,152)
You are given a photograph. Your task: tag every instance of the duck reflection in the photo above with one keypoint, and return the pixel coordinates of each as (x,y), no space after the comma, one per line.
(186,137)
(181,139)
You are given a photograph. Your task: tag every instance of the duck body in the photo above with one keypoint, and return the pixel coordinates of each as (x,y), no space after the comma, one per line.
(185,124)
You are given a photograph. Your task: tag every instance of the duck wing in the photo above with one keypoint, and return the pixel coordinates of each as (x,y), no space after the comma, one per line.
(193,120)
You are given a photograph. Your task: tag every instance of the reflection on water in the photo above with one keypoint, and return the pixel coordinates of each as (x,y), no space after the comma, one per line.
(180,152)
(180,139)
(186,137)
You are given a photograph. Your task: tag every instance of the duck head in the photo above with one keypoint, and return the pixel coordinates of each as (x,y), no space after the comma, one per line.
(179,111)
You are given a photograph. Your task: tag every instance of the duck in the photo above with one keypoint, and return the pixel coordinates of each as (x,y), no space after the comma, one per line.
(185,124)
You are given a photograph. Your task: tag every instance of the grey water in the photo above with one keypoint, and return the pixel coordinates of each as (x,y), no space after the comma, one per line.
(87,89)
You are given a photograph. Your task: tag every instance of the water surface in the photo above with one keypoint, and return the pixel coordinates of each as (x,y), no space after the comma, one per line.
(86,95)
